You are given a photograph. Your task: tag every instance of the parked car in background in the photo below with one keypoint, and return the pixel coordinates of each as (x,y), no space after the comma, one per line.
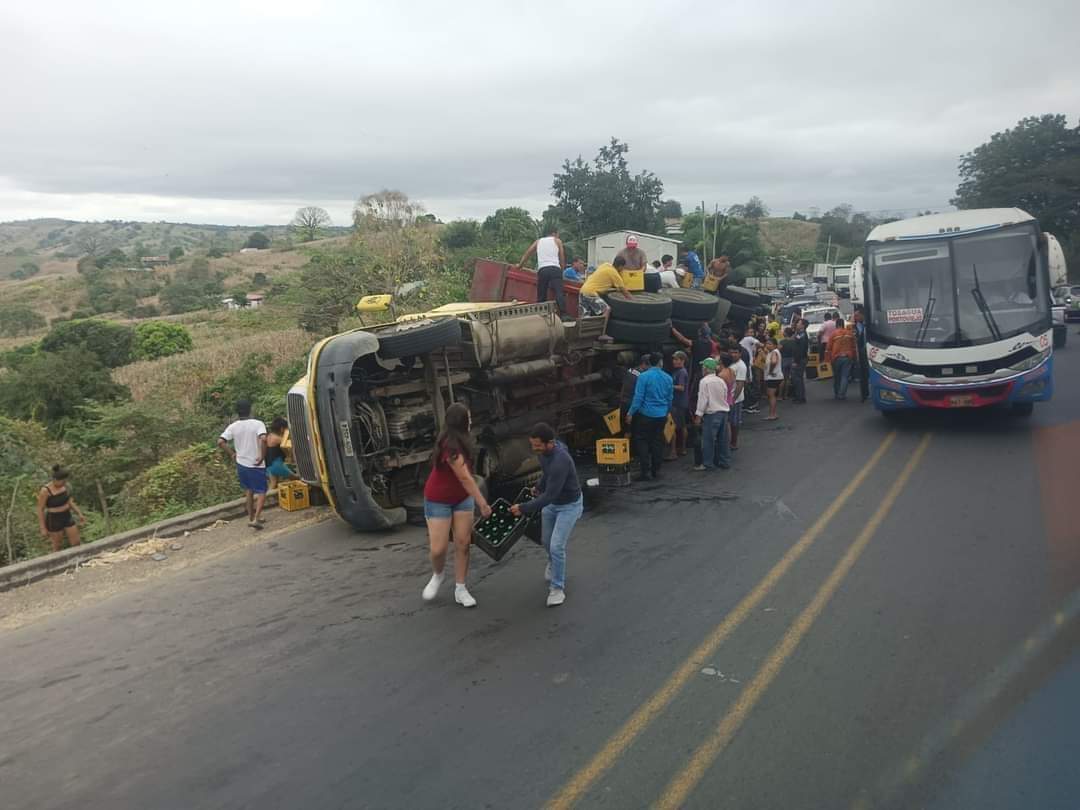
(789,308)
(815,318)
(1072,309)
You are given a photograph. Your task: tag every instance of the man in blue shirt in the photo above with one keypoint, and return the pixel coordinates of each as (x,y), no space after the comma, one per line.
(576,270)
(693,263)
(648,414)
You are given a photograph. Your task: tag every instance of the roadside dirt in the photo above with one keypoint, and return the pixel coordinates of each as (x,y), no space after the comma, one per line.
(111,571)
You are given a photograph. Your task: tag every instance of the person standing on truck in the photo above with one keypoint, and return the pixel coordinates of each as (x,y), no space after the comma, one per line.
(451,498)
(248,452)
(576,270)
(669,275)
(693,264)
(550,261)
(648,414)
(558,500)
(635,257)
(603,280)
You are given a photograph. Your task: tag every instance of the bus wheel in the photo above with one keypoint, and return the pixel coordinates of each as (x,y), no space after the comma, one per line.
(1023,408)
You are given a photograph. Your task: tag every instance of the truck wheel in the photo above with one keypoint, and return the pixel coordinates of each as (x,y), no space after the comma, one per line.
(692,305)
(689,329)
(740,315)
(637,332)
(640,307)
(741,296)
(413,338)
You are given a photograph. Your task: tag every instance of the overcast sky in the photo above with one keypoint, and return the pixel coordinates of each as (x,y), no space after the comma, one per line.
(238,111)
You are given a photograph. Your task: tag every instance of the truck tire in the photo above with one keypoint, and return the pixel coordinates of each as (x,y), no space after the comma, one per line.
(639,307)
(413,338)
(740,314)
(741,296)
(689,329)
(638,332)
(692,305)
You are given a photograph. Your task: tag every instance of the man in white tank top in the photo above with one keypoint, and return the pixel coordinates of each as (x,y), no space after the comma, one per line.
(550,261)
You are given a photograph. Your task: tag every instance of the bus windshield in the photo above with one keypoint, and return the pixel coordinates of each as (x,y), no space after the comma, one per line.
(961,291)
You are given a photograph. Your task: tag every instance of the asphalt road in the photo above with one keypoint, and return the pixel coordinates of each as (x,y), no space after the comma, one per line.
(855,616)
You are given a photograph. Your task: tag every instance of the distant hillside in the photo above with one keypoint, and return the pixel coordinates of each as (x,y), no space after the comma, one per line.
(788,236)
(61,239)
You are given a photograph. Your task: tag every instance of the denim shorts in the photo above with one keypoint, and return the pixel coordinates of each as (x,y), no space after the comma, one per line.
(434,510)
(252,479)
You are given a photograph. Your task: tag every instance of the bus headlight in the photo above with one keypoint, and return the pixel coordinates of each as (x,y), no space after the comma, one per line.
(1030,362)
(889,371)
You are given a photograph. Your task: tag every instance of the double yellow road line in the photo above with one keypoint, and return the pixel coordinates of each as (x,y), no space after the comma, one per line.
(679,789)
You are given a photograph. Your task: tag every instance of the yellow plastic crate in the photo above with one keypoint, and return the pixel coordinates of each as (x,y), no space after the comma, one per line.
(293,496)
(633,279)
(686,280)
(612,451)
(711,283)
(613,421)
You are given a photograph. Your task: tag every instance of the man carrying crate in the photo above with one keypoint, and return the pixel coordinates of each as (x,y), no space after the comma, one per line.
(558,499)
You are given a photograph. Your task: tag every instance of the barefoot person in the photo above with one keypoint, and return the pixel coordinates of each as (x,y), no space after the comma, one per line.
(451,496)
(55,506)
(248,452)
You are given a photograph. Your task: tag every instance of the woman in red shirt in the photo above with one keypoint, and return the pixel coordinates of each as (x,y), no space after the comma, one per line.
(450,498)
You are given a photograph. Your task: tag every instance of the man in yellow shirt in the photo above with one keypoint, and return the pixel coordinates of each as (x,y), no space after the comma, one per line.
(603,280)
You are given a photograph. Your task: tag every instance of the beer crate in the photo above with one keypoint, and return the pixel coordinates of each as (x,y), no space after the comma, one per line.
(497,533)
(612,451)
(293,496)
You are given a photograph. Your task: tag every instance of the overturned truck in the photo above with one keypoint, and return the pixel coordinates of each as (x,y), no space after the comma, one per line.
(364,418)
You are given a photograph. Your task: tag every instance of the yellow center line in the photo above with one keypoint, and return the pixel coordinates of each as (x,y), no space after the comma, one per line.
(648,711)
(681,786)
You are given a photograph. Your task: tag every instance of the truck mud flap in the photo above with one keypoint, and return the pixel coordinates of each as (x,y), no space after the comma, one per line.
(352,496)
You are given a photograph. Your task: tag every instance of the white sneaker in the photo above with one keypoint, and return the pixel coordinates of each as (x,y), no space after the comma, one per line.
(431,590)
(463,597)
(547,573)
(556,596)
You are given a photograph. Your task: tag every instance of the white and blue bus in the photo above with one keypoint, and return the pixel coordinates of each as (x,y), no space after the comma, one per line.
(958,311)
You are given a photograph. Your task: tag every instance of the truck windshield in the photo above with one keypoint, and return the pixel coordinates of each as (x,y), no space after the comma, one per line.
(958,292)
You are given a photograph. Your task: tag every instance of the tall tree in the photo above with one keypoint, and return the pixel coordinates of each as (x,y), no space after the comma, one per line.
(603,196)
(671,208)
(385,209)
(1034,166)
(308,221)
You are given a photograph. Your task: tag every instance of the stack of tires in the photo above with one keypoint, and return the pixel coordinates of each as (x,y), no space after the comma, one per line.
(691,308)
(745,304)
(641,318)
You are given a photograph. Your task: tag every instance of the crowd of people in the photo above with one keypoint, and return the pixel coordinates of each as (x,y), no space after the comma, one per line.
(552,271)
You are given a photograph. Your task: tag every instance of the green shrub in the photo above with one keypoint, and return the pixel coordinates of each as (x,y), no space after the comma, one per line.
(176,253)
(52,387)
(258,240)
(111,342)
(194,478)
(154,339)
(26,454)
(18,319)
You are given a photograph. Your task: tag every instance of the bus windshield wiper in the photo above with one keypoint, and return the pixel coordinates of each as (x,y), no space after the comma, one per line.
(930,302)
(984,308)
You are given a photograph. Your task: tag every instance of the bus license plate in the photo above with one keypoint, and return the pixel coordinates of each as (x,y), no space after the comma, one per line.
(961,401)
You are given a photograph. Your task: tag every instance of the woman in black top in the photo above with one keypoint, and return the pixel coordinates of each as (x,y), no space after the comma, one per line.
(55,507)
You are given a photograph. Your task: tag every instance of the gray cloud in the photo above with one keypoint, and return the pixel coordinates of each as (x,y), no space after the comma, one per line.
(231,107)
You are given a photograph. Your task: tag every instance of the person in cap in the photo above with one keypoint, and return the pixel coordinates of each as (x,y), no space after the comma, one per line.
(713,406)
(633,255)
